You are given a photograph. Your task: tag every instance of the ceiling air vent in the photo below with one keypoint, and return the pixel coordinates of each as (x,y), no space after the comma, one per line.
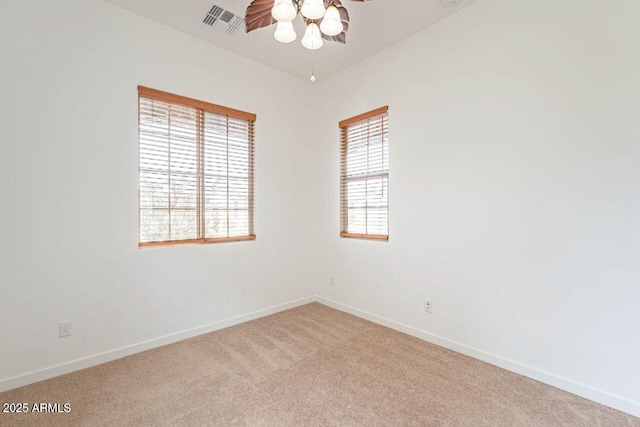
(223,20)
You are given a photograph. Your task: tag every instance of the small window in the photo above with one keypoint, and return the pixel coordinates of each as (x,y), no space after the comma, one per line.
(195,171)
(364,175)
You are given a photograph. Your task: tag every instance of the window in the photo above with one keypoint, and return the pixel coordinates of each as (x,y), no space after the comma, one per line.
(364,175)
(195,171)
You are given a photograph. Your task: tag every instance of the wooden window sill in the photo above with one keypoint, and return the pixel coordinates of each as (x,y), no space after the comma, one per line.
(379,237)
(197,241)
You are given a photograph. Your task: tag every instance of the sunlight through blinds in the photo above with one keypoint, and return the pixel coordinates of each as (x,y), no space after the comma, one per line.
(196,171)
(364,175)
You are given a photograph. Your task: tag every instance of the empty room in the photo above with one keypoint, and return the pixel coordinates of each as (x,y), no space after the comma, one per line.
(320,213)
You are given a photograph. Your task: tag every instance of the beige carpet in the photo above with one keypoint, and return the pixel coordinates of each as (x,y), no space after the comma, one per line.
(309,366)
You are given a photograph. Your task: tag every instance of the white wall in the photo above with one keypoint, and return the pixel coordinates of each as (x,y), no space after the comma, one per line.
(515,189)
(68,186)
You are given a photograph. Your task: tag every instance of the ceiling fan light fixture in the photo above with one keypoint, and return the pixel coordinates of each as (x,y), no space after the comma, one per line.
(285,32)
(284,11)
(312,39)
(331,23)
(313,9)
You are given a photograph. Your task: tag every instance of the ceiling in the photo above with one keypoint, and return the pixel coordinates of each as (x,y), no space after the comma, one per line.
(374,26)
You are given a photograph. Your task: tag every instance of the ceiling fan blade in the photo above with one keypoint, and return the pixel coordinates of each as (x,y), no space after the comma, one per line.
(258,15)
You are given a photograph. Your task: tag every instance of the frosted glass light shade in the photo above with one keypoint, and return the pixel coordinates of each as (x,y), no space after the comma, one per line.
(331,23)
(285,32)
(313,9)
(283,11)
(312,38)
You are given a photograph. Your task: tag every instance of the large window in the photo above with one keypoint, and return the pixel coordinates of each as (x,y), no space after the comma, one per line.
(195,171)
(364,175)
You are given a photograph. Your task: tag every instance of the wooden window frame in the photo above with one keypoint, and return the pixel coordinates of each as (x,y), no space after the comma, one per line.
(343,125)
(201,107)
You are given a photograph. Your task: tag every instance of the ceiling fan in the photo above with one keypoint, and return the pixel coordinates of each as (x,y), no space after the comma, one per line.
(325,19)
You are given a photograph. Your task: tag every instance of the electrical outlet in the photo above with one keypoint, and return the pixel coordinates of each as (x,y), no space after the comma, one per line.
(428,305)
(64,329)
(332,282)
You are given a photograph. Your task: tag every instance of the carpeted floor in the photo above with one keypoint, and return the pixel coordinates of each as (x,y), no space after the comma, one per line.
(308,366)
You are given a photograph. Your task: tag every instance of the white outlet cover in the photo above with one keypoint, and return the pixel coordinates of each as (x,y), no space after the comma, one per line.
(428,305)
(64,329)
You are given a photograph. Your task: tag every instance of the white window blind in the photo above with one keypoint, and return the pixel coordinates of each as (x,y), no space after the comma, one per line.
(195,171)
(364,173)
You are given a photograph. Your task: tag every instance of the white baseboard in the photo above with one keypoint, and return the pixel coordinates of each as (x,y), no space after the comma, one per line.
(107,356)
(583,390)
(571,386)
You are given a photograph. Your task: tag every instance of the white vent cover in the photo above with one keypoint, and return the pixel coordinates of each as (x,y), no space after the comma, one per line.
(223,20)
